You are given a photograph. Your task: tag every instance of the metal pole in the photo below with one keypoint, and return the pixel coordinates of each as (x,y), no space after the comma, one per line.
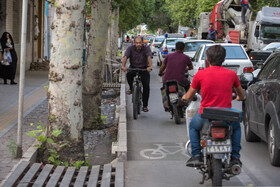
(22,76)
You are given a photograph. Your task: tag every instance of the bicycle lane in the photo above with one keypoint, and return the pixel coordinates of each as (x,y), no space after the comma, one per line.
(154,132)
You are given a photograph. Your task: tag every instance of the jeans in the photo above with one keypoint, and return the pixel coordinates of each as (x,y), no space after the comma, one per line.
(243,13)
(145,79)
(196,125)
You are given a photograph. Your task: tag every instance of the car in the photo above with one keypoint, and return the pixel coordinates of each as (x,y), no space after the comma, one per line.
(259,56)
(156,44)
(168,46)
(192,45)
(261,110)
(147,38)
(236,59)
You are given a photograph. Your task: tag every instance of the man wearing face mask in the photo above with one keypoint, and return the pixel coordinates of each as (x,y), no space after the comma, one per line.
(140,56)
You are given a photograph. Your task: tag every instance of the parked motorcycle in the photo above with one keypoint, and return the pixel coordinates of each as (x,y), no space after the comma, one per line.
(216,145)
(172,92)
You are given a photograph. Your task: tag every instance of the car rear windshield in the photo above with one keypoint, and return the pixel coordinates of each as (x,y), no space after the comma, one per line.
(173,41)
(193,46)
(232,52)
(159,39)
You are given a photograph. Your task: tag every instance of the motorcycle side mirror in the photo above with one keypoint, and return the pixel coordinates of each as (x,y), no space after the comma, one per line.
(260,65)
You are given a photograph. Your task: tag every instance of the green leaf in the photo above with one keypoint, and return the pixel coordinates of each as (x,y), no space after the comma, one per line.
(49,140)
(62,145)
(86,155)
(66,164)
(51,159)
(32,133)
(42,138)
(52,117)
(52,150)
(78,164)
(56,132)
(39,127)
(31,124)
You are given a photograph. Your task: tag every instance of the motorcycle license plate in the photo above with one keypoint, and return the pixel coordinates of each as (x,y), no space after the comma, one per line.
(219,146)
(173,97)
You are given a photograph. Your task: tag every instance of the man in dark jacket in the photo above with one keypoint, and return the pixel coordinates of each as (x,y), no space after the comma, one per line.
(211,32)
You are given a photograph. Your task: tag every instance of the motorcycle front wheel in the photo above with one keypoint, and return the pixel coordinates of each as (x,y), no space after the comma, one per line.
(217,174)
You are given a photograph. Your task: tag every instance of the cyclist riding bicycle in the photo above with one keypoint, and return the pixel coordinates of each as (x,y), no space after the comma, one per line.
(176,65)
(140,56)
(215,84)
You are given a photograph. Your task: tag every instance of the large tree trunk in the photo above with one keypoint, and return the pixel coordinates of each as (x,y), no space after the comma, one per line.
(93,74)
(65,79)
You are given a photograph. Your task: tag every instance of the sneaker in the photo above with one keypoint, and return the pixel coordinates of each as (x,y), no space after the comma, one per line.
(145,109)
(234,160)
(194,161)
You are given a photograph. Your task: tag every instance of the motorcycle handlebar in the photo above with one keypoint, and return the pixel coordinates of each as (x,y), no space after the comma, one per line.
(137,69)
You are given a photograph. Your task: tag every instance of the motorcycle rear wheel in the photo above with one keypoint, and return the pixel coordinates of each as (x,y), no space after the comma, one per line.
(176,114)
(217,174)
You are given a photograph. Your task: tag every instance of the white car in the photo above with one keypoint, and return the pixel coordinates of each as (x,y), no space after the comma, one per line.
(156,44)
(236,59)
(192,45)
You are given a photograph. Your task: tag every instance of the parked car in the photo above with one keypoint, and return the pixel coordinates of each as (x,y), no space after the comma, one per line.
(192,45)
(156,44)
(258,57)
(261,109)
(168,46)
(236,59)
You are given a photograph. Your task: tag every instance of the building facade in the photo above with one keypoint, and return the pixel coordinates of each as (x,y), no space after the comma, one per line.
(10,21)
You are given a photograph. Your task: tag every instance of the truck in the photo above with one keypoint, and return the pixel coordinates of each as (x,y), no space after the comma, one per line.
(226,19)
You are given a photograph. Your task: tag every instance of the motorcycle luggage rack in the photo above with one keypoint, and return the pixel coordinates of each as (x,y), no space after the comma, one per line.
(224,114)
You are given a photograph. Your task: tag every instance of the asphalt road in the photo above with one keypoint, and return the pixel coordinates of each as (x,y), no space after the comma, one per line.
(155,130)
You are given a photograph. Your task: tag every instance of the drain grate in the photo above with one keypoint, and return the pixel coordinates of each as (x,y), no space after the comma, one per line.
(26,174)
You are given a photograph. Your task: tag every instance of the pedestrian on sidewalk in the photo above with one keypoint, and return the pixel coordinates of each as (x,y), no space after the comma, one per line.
(8,46)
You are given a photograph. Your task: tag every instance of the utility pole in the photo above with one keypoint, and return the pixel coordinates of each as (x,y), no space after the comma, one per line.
(22,76)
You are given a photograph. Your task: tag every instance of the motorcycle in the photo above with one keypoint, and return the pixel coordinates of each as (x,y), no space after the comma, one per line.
(216,145)
(172,92)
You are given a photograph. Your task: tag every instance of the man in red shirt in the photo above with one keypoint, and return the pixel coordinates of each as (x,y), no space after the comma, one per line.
(215,83)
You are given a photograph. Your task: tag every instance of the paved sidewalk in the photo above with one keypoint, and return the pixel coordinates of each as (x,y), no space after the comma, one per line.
(34,98)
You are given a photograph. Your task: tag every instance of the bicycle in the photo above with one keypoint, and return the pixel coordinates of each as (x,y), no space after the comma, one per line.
(137,91)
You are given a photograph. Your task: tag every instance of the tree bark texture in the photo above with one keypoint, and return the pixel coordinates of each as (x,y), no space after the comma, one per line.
(93,72)
(65,78)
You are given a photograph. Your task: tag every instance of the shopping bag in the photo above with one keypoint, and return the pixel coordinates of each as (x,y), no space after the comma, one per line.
(7,56)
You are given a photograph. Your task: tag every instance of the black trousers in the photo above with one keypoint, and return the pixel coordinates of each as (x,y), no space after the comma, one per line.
(145,79)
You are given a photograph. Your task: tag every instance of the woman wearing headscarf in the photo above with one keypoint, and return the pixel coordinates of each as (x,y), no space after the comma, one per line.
(9,72)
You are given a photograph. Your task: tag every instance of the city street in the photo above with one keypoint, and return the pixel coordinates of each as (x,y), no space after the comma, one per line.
(155,130)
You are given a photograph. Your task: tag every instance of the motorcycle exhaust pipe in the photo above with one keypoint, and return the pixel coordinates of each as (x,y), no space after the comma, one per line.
(235,169)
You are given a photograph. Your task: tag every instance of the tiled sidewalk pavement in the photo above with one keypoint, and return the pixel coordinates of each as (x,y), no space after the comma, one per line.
(35,110)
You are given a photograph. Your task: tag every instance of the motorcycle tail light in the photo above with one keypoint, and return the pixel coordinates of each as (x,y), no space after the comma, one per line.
(218,132)
(248,70)
(251,57)
(172,88)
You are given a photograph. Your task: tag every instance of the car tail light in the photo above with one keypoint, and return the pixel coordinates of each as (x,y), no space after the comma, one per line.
(165,49)
(153,45)
(201,68)
(172,88)
(248,70)
(251,57)
(218,132)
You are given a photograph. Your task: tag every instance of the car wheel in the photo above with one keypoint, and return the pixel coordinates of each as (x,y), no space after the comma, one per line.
(249,135)
(274,152)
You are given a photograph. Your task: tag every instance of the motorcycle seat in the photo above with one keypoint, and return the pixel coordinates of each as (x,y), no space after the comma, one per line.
(223,114)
